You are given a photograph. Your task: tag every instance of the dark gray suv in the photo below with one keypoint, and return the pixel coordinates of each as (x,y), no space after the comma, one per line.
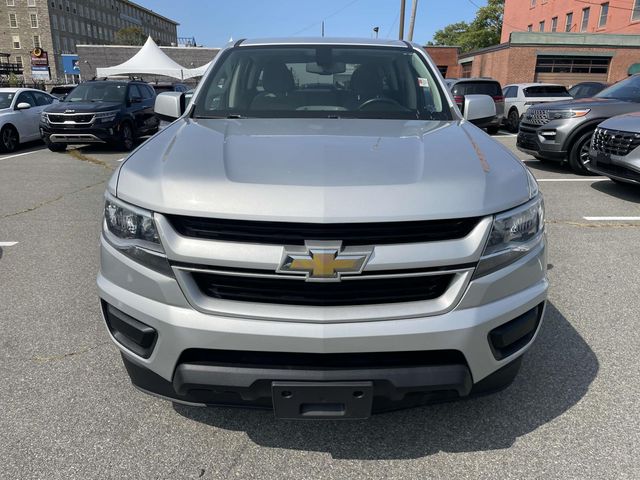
(561,131)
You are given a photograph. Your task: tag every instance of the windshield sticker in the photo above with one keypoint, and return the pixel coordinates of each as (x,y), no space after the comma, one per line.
(423,82)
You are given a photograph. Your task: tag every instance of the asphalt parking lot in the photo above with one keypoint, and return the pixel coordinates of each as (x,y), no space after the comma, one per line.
(68,409)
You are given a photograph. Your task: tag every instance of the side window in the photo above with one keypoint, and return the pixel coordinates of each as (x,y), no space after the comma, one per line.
(26,97)
(145,91)
(42,98)
(134,92)
(508,92)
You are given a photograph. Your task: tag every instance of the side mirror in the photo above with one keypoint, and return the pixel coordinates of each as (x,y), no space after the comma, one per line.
(169,105)
(22,106)
(478,108)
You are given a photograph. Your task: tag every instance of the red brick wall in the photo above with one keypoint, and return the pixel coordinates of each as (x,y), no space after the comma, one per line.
(517,64)
(445,56)
(518,14)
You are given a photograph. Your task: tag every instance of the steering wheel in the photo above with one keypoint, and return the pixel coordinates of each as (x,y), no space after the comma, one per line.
(388,101)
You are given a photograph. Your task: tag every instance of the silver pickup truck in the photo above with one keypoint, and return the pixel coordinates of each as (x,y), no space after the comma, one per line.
(321,232)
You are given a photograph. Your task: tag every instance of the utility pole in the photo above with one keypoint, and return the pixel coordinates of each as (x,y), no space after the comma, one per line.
(403,5)
(412,20)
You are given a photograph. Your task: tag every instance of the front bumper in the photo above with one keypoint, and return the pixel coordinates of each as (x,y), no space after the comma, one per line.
(107,133)
(157,300)
(625,169)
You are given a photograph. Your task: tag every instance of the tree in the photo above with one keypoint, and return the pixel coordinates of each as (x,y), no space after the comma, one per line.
(482,32)
(130,36)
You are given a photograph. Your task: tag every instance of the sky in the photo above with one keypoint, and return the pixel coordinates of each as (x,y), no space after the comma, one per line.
(213,22)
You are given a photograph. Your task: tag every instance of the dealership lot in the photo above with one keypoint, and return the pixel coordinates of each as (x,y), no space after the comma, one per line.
(69,411)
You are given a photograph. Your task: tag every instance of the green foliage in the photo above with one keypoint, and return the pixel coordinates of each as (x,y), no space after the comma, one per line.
(130,36)
(482,32)
(13,80)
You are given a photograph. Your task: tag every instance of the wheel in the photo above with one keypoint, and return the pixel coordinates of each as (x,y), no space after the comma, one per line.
(513,120)
(57,147)
(9,139)
(492,130)
(579,154)
(53,146)
(126,137)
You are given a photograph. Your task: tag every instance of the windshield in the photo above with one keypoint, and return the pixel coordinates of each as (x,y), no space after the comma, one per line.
(322,82)
(492,89)
(627,90)
(6,99)
(98,92)
(546,91)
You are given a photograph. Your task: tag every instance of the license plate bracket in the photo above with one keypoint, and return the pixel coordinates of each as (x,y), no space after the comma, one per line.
(322,400)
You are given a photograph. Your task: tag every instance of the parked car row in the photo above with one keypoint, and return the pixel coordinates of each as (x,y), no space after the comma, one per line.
(20,110)
(562,131)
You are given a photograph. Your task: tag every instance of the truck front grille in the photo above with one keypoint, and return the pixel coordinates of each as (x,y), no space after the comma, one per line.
(75,118)
(536,117)
(348,292)
(292,233)
(614,142)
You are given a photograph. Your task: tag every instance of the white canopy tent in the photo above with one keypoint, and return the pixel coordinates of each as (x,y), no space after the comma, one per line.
(149,60)
(198,71)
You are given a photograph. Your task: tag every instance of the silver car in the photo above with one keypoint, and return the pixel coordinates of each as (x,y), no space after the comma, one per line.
(614,149)
(322,232)
(20,110)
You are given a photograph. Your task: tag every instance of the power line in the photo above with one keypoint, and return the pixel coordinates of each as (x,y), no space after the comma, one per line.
(344,7)
(393,24)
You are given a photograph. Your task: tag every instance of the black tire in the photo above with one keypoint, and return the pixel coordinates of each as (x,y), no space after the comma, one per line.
(127,138)
(579,154)
(492,130)
(57,147)
(9,139)
(513,120)
(54,147)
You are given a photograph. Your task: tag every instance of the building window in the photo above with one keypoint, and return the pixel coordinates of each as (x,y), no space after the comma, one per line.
(466,69)
(16,42)
(31,3)
(11,3)
(542,26)
(554,24)
(530,28)
(560,64)
(635,15)
(34,20)
(569,22)
(604,12)
(13,20)
(533,3)
(585,19)
(36,41)
(63,25)
(19,61)
(54,21)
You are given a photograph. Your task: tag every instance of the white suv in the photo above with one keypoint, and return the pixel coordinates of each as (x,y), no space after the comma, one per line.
(519,97)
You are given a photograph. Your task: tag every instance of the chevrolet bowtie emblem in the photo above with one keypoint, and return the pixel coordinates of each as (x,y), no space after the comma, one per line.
(324,261)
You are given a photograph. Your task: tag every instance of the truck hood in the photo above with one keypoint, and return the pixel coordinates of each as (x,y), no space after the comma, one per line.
(322,170)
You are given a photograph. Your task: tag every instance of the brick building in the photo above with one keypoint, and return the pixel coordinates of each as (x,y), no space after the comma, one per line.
(564,58)
(55,27)
(446,58)
(571,16)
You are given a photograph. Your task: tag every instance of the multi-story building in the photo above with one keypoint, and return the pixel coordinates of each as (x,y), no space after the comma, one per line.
(571,16)
(37,33)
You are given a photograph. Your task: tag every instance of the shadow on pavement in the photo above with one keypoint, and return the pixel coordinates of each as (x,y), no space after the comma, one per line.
(628,192)
(556,374)
(552,167)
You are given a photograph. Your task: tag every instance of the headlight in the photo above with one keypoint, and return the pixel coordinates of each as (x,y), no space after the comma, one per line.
(106,116)
(132,231)
(558,114)
(513,234)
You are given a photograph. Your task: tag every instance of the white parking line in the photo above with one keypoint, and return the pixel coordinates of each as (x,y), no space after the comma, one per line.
(8,244)
(592,179)
(612,219)
(19,155)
